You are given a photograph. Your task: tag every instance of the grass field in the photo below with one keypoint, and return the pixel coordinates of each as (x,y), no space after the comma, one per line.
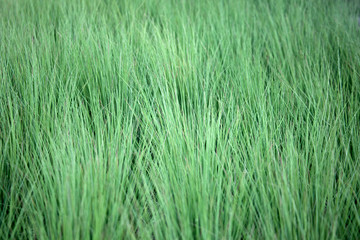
(179,119)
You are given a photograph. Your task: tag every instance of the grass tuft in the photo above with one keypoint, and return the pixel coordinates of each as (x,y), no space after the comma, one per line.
(167,119)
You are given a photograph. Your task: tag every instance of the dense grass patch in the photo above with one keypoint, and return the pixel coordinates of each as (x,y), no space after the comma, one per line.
(169,119)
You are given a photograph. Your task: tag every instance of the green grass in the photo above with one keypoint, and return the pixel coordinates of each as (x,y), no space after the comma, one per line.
(169,119)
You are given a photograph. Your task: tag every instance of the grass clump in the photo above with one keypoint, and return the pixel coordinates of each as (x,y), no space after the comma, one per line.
(179,119)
